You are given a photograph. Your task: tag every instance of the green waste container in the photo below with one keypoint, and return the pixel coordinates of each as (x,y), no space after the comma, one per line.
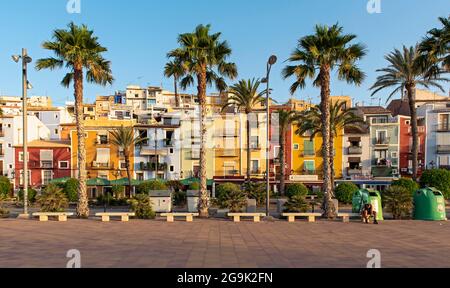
(429,205)
(365,196)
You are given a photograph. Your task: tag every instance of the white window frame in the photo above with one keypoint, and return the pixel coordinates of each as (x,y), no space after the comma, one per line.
(251,167)
(21,177)
(294,145)
(394,155)
(120,165)
(59,165)
(42,177)
(21,157)
(304,164)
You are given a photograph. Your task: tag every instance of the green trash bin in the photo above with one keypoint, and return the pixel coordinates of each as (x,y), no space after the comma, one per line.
(429,205)
(365,196)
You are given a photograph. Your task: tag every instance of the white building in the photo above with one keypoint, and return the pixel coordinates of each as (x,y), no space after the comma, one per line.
(52,117)
(11,134)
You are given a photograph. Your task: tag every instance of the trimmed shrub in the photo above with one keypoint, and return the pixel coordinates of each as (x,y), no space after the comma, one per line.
(53,199)
(230,196)
(31,195)
(344,192)
(142,206)
(409,184)
(147,186)
(5,187)
(437,178)
(256,191)
(399,201)
(296,189)
(296,204)
(70,188)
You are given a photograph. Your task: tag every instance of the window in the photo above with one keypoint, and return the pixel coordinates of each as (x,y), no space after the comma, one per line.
(381,154)
(255,167)
(56,116)
(254,142)
(309,148)
(63,164)
(56,131)
(394,155)
(103,175)
(123,165)
(229,169)
(276,152)
(382,137)
(136,95)
(9,145)
(47,177)
(144,135)
(21,177)
(296,146)
(309,167)
(172,168)
(102,138)
(171,151)
(21,156)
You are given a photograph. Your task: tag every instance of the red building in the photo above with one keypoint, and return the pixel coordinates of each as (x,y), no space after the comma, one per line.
(406,139)
(47,160)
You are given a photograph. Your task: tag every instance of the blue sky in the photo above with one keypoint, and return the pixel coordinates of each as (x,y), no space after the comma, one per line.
(139,33)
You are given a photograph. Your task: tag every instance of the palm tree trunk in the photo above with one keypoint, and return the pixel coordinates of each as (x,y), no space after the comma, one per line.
(282,160)
(328,206)
(204,197)
(249,152)
(177,97)
(127,164)
(415,131)
(83,205)
(332,172)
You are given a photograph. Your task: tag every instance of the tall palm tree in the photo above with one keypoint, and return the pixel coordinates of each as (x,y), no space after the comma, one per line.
(316,57)
(125,139)
(244,95)
(285,120)
(205,57)
(78,50)
(405,71)
(176,69)
(435,46)
(340,117)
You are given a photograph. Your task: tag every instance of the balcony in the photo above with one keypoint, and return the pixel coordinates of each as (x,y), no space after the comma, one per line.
(226,133)
(46,165)
(255,146)
(169,143)
(151,166)
(2,133)
(354,150)
(256,172)
(382,171)
(2,152)
(194,154)
(309,153)
(102,166)
(443,149)
(354,172)
(420,129)
(226,152)
(382,141)
(443,127)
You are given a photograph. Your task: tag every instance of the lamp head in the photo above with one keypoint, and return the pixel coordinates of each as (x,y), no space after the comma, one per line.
(15,58)
(272,60)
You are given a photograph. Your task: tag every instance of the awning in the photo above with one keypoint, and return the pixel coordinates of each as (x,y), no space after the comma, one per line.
(46,155)
(103,155)
(124,182)
(354,160)
(102,133)
(189,181)
(98,182)
(60,180)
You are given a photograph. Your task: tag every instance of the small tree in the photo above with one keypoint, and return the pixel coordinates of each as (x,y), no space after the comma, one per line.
(142,206)
(151,185)
(230,196)
(409,184)
(437,178)
(53,199)
(344,192)
(256,191)
(296,189)
(118,191)
(399,201)
(5,187)
(70,188)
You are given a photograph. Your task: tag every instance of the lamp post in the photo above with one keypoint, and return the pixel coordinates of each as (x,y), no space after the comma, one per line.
(25,86)
(272,60)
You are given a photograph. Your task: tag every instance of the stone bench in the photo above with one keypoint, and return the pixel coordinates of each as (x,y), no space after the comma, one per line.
(124,217)
(43,216)
(188,216)
(237,216)
(346,216)
(311,216)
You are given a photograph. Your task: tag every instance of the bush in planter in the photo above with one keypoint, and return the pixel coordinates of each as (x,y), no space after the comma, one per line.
(344,192)
(175,185)
(409,184)
(142,206)
(399,201)
(230,196)
(296,189)
(31,195)
(151,185)
(70,188)
(179,198)
(296,204)
(53,199)
(256,191)
(5,187)
(437,178)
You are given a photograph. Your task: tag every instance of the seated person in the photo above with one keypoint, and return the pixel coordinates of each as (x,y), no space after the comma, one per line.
(367,212)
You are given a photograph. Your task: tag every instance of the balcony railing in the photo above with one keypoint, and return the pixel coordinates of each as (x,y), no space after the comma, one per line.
(255,146)
(443,149)
(309,152)
(152,166)
(382,141)
(354,150)
(354,172)
(256,172)
(104,166)
(382,171)
(226,153)
(443,127)
(169,143)
(47,164)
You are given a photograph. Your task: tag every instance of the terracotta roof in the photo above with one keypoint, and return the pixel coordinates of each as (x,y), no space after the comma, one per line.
(373,110)
(47,144)
(399,107)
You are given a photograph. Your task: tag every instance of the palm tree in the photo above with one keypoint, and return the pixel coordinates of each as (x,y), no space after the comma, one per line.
(316,57)
(78,50)
(405,71)
(435,46)
(245,96)
(177,70)
(340,117)
(125,139)
(205,57)
(285,120)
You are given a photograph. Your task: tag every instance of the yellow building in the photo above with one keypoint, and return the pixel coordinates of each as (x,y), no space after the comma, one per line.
(307,159)
(103,160)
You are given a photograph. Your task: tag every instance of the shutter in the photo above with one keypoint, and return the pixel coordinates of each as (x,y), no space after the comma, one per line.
(103,155)
(46,155)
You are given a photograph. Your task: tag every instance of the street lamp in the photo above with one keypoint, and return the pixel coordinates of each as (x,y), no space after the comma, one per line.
(272,60)
(25,86)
